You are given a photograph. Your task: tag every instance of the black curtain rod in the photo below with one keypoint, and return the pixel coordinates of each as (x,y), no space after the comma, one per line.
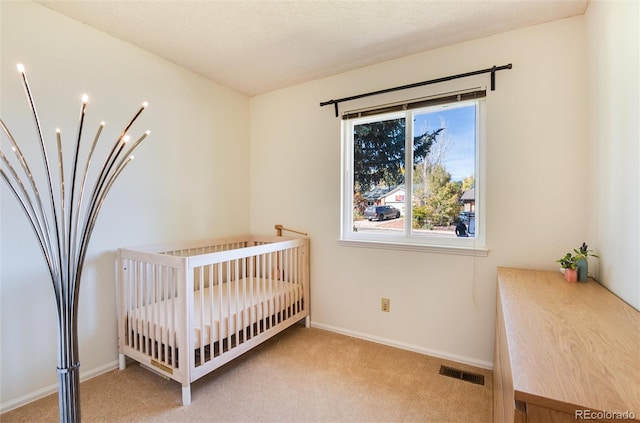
(491,70)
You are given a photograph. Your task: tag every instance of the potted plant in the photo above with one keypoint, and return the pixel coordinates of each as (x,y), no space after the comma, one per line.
(575,265)
(569,263)
(582,254)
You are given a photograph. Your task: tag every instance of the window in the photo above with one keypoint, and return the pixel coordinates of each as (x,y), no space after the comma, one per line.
(413,178)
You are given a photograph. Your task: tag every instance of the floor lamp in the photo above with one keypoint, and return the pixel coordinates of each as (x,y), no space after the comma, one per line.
(63,220)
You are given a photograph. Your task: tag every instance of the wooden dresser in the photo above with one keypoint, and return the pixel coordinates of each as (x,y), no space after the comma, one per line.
(565,351)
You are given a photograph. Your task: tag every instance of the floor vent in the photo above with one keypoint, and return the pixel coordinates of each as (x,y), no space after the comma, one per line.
(461,374)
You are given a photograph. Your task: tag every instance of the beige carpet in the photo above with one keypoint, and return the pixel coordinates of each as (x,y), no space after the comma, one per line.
(301,375)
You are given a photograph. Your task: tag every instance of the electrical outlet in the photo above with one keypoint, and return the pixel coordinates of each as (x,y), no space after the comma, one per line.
(385,305)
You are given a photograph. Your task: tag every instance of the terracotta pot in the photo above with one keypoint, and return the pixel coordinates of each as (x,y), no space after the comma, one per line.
(571,275)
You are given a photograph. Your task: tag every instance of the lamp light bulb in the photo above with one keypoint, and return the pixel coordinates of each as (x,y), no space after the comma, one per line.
(20,68)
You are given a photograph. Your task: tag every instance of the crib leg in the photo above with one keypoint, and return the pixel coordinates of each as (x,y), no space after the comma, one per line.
(307,322)
(122,362)
(186,395)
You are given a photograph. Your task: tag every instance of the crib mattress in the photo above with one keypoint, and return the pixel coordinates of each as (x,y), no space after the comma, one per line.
(218,311)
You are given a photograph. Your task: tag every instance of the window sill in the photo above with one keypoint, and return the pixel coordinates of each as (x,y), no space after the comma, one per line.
(423,248)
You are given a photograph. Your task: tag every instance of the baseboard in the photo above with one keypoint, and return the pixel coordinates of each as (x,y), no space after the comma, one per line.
(51,389)
(409,347)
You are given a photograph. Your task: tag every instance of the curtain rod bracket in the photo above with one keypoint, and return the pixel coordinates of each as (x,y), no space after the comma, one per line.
(493,78)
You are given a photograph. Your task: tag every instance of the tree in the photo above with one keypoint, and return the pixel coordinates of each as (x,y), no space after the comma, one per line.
(443,203)
(468,183)
(379,153)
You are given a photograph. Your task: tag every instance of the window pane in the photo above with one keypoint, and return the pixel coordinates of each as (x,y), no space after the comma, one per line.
(444,172)
(378,176)
(410,177)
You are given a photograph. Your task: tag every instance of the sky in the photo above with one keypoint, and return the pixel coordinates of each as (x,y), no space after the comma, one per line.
(458,138)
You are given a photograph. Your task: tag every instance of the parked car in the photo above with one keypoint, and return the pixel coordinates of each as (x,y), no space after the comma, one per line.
(466,216)
(381,213)
(469,219)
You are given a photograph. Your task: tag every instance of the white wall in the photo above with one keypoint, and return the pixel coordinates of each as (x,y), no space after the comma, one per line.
(614,134)
(544,138)
(189,179)
(537,209)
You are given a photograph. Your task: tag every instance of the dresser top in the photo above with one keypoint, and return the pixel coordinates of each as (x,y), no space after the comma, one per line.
(570,342)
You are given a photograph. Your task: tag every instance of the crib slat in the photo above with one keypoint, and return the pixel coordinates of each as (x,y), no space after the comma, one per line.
(219,303)
(237,302)
(139,309)
(286,277)
(210,273)
(246,304)
(200,317)
(262,285)
(228,305)
(164,312)
(173,292)
(154,310)
(254,301)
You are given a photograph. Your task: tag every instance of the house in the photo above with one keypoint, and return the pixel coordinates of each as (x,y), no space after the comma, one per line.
(468,199)
(562,165)
(385,195)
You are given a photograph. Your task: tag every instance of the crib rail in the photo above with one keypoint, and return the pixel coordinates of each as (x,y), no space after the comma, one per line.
(187,308)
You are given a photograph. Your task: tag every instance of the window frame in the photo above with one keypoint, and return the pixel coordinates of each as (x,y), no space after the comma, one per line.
(410,240)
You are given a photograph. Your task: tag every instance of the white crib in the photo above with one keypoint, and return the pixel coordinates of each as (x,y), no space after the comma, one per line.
(186,309)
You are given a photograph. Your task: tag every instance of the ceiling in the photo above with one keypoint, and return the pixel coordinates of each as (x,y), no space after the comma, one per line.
(255,46)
